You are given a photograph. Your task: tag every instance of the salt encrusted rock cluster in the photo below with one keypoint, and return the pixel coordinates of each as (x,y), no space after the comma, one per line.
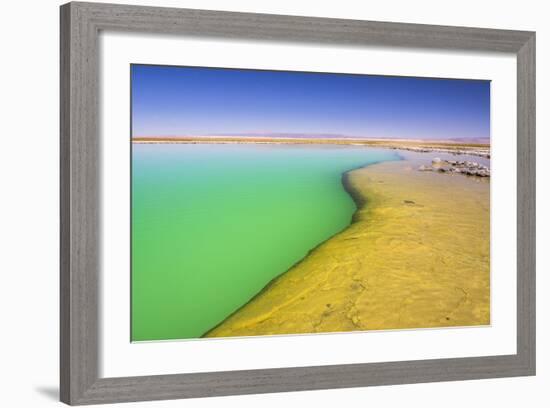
(481,152)
(465,167)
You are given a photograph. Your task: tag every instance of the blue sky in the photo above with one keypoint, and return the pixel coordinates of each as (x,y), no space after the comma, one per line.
(187,101)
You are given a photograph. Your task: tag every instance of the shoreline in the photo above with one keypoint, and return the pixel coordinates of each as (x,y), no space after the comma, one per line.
(357,200)
(420,146)
(277,304)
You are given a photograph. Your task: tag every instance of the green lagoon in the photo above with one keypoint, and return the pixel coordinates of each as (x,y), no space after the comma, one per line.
(212,224)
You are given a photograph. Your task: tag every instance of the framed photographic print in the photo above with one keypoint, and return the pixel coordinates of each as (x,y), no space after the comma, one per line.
(241,193)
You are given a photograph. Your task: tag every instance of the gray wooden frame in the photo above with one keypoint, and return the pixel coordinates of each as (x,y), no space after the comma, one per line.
(80,235)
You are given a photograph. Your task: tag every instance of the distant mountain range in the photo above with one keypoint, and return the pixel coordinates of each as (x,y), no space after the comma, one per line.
(479,140)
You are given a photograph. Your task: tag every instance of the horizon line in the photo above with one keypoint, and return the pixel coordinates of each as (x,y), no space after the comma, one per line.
(221,138)
(301,136)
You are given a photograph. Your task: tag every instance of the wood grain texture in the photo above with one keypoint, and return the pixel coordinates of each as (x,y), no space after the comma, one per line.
(80,203)
(298,29)
(79,197)
(526,195)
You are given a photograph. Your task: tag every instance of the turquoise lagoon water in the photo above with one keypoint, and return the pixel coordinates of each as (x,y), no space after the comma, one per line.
(212,224)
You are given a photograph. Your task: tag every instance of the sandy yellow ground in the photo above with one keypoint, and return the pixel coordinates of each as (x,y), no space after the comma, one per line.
(416,255)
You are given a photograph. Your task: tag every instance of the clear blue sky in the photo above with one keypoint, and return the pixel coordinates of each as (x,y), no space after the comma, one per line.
(180,101)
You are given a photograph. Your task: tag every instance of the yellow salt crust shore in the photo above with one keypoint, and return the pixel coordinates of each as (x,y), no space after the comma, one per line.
(415,256)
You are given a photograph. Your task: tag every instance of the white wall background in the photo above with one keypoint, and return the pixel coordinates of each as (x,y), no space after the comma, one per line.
(29,202)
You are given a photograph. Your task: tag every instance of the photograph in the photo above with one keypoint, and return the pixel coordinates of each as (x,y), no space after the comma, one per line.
(218,204)
(281,203)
